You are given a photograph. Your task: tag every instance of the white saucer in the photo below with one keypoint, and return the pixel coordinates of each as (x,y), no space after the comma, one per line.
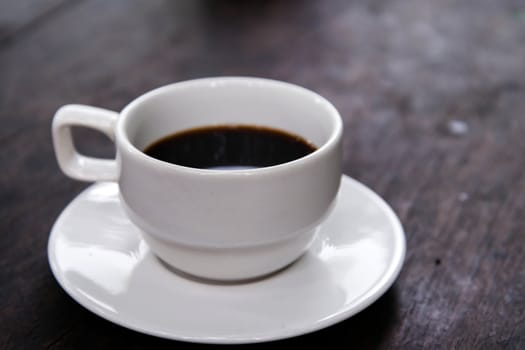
(100,260)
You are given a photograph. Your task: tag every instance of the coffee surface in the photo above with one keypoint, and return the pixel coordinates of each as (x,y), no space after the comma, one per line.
(230,147)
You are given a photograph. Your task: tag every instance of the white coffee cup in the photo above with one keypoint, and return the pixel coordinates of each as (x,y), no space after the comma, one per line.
(216,224)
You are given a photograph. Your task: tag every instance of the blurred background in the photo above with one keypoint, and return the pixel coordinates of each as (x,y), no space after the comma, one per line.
(432,93)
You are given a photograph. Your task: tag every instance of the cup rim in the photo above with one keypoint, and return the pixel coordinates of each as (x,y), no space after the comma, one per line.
(125,145)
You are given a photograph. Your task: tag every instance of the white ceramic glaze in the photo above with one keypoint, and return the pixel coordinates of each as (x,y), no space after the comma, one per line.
(99,258)
(218,224)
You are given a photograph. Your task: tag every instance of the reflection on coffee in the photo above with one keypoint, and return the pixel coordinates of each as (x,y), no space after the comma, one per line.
(230,147)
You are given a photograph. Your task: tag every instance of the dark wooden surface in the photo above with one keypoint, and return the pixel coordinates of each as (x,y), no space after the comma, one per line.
(432,94)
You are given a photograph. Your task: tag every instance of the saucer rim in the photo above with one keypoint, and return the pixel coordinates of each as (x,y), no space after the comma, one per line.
(377,290)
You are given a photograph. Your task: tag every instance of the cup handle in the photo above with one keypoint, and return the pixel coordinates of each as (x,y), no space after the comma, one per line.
(72,163)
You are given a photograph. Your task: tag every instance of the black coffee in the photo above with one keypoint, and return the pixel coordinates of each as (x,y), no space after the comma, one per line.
(230,147)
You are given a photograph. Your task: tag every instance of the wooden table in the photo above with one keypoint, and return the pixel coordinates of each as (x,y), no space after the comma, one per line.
(433,99)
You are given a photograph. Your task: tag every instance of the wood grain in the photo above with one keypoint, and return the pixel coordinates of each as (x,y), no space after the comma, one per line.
(402,73)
